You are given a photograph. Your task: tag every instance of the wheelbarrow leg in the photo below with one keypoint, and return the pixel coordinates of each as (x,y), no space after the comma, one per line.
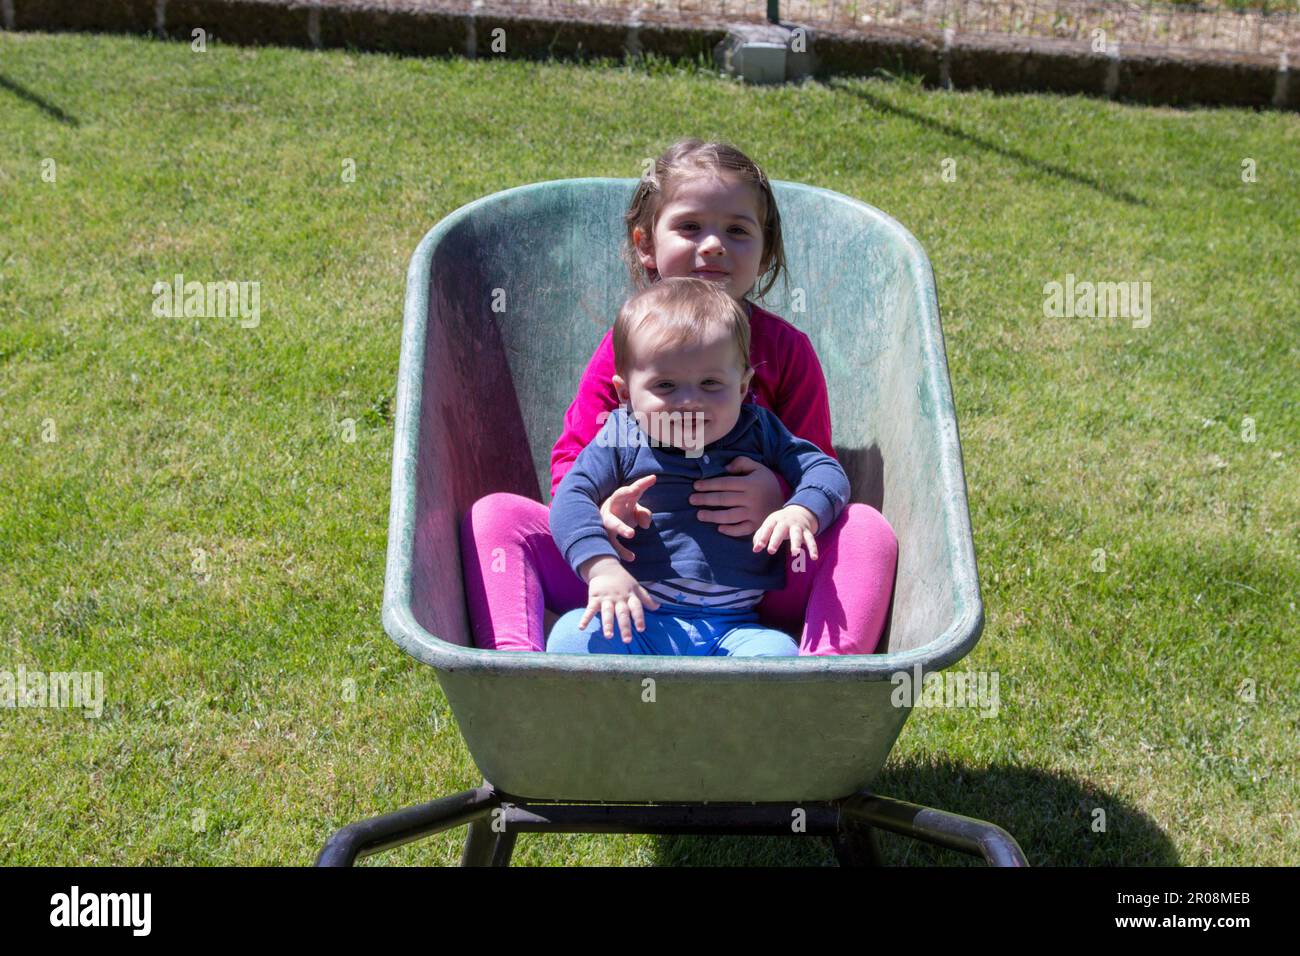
(856,844)
(951,830)
(483,847)
(403,826)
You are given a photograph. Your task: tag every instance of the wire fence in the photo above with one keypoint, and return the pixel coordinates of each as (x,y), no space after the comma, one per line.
(1126,22)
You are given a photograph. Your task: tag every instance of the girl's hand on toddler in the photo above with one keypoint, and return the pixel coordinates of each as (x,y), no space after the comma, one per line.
(794,521)
(614,594)
(621,510)
(751,494)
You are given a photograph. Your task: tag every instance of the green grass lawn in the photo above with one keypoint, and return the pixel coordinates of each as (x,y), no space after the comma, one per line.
(182,511)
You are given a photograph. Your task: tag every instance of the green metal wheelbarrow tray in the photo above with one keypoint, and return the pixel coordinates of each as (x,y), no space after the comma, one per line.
(506,299)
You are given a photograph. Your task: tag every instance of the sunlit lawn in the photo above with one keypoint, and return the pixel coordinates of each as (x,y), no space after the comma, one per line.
(184,512)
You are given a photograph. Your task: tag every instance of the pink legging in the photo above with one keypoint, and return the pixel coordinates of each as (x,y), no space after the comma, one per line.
(514,571)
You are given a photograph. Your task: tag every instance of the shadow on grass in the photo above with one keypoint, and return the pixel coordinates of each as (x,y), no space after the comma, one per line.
(956,132)
(46,107)
(1051,817)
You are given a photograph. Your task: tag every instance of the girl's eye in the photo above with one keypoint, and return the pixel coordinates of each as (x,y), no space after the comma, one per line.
(664,385)
(712,381)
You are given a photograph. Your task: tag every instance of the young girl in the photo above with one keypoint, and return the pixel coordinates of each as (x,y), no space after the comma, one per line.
(706,211)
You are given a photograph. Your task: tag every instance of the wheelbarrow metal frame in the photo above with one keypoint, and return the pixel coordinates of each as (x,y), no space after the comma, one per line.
(496,819)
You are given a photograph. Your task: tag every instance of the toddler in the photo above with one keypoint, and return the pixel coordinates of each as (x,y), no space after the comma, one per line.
(681,351)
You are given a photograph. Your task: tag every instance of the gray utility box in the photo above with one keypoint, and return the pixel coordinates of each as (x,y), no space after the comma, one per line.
(766,53)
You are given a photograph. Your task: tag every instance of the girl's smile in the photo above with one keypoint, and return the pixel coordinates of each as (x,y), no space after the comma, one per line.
(710,229)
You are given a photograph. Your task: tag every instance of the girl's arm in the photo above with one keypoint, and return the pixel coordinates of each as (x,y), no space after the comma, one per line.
(582,421)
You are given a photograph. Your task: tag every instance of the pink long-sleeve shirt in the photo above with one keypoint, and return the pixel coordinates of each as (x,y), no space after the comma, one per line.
(788,379)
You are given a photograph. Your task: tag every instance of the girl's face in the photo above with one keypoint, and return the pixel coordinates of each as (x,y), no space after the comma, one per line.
(710,229)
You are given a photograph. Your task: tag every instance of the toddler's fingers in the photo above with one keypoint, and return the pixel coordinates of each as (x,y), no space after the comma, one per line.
(796,539)
(638,612)
(622,611)
(643,516)
(646,598)
(629,495)
(617,545)
(778,535)
(760,536)
(607,617)
(811,541)
(622,527)
(587,616)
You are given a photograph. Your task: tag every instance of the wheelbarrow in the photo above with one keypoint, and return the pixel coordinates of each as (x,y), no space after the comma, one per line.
(506,299)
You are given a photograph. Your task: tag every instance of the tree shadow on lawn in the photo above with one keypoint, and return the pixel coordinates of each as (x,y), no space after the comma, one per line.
(46,107)
(1050,815)
(956,132)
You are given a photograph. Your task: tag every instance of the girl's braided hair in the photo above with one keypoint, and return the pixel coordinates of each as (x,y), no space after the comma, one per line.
(691,158)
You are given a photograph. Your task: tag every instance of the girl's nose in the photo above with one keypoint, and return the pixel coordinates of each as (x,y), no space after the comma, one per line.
(711,243)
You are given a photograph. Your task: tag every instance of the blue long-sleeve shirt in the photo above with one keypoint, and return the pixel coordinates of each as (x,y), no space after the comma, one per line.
(677,544)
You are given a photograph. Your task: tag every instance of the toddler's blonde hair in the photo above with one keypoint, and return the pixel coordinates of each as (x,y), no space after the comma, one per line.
(676,310)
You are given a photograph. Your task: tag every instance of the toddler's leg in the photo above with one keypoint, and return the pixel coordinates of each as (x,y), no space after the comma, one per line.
(513,572)
(754,640)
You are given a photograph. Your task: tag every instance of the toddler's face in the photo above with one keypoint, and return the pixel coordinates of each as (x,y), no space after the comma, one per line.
(697,383)
(709,230)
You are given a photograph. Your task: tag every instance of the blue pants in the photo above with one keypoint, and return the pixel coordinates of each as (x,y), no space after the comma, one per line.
(675,630)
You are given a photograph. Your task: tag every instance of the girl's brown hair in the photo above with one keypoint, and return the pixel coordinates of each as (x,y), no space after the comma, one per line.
(687,159)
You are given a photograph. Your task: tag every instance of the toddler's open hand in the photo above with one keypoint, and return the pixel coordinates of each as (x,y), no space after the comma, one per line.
(622,510)
(793,521)
(615,595)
